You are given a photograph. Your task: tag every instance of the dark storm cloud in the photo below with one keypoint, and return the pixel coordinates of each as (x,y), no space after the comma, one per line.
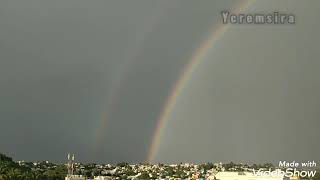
(63,64)
(147,86)
(254,96)
(59,61)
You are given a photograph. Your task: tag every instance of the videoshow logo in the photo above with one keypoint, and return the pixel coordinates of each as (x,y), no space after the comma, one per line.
(289,172)
(291,169)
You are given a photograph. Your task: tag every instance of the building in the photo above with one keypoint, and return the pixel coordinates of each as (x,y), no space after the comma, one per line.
(102,178)
(242,176)
(75,177)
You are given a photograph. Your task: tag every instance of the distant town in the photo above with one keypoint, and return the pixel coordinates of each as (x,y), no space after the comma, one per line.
(71,170)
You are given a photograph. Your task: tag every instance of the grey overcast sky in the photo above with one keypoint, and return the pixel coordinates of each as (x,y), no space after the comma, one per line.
(92,77)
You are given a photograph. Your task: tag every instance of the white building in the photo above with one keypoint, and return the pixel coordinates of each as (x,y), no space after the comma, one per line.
(75,177)
(102,178)
(242,176)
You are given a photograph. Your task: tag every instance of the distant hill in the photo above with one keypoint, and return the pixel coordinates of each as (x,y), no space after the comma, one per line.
(11,170)
(4,158)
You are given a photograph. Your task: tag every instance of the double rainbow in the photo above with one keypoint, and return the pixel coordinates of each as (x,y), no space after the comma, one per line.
(181,83)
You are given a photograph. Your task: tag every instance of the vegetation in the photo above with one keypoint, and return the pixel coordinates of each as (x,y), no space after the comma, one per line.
(28,171)
(11,170)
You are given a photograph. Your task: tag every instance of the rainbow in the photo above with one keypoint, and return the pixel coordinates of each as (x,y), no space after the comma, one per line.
(189,68)
(122,73)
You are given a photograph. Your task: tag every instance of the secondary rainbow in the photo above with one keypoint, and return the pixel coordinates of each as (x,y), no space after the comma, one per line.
(121,74)
(171,100)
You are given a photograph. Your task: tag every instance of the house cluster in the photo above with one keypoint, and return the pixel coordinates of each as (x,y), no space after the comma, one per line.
(206,171)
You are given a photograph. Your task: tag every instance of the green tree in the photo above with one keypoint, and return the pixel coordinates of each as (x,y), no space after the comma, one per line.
(5,158)
(268,165)
(122,164)
(14,173)
(57,173)
(144,175)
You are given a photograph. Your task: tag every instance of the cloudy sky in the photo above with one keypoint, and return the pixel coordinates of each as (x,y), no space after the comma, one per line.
(92,78)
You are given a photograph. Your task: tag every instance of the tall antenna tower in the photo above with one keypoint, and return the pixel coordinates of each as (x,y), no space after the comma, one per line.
(70,164)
